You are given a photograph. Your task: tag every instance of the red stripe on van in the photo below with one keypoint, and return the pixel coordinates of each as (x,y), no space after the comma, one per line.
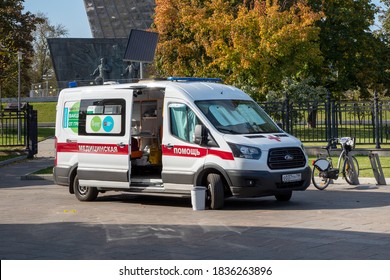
(221,154)
(184,151)
(111,149)
(67,147)
(195,152)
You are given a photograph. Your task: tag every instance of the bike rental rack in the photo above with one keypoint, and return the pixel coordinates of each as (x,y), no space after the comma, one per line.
(377,168)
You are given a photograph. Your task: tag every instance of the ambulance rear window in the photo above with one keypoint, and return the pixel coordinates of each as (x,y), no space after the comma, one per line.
(102,117)
(108,109)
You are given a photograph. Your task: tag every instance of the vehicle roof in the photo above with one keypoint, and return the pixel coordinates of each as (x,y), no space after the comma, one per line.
(192,89)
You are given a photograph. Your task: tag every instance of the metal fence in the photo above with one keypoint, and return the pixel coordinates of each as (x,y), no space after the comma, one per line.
(311,121)
(13,127)
(19,128)
(317,121)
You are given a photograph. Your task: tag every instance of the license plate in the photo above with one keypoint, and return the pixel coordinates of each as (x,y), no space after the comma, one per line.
(291,177)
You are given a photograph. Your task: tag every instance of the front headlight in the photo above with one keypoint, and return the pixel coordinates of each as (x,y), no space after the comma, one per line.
(242,151)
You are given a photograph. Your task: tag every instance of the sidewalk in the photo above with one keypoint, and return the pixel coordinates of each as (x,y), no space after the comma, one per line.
(18,167)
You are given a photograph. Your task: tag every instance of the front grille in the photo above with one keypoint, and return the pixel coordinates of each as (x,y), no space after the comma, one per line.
(286,158)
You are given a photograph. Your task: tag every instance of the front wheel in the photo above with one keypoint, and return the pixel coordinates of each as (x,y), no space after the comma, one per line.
(84,193)
(215,193)
(318,178)
(286,196)
(351,174)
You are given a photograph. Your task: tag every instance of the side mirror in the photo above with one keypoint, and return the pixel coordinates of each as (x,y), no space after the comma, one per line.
(200,134)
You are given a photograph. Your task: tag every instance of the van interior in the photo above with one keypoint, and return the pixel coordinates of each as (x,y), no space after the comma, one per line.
(146,136)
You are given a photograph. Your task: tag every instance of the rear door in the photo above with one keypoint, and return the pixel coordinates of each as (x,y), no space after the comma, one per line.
(104,139)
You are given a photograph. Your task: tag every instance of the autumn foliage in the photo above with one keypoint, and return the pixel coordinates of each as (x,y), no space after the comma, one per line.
(252,44)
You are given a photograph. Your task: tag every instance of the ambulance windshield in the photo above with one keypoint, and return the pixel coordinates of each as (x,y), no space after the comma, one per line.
(237,116)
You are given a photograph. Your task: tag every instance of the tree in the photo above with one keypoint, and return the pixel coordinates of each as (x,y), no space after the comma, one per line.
(16,35)
(252,44)
(283,43)
(41,70)
(353,57)
(384,37)
(385,18)
(304,93)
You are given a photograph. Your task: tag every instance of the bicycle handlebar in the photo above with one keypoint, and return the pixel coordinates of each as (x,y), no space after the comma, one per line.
(343,141)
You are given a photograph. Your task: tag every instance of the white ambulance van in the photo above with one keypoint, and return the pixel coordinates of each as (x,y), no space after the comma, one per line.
(165,137)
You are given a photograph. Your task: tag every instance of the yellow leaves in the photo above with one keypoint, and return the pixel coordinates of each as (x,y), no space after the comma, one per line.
(263,42)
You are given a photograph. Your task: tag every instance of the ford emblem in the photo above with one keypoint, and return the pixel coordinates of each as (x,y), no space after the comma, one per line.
(288,157)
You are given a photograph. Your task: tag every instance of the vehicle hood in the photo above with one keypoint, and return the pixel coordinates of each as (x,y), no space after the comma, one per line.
(264,141)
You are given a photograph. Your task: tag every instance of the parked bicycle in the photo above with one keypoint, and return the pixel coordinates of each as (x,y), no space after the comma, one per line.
(323,170)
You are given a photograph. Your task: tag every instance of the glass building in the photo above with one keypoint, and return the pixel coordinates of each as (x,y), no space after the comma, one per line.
(115,18)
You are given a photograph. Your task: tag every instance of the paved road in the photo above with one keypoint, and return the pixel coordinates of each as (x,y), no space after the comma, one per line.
(40,220)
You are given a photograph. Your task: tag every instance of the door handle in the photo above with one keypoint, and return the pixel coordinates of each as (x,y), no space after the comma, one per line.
(169,146)
(121,145)
(71,141)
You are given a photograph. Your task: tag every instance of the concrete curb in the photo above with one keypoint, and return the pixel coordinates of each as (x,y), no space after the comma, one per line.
(48,177)
(12,160)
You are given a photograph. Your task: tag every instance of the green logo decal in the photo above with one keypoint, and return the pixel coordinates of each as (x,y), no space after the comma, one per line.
(73,120)
(96,124)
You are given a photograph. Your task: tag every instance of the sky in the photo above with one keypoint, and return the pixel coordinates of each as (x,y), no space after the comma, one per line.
(69,13)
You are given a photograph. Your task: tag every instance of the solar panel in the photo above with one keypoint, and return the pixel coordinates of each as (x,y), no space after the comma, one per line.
(141,46)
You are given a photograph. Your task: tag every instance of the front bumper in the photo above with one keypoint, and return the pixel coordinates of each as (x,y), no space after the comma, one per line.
(263,183)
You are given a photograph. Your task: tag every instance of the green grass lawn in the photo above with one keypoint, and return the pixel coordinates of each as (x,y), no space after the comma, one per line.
(9,156)
(45,132)
(46,111)
(48,170)
(8,152)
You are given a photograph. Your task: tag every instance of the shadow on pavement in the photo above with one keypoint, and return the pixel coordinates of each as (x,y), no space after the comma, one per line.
(307,200)
(166,242)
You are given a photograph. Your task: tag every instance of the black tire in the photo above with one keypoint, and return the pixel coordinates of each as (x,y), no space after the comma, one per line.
(84,193)
(286,196)
(215,193)
(348,172)
(318,179)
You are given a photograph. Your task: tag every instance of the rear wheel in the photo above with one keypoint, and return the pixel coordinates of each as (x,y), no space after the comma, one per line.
(318,179)
(215,193)
(84,193)
(349,172)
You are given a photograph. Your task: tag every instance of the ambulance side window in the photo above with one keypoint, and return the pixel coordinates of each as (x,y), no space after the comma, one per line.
(182,122)
(103,117)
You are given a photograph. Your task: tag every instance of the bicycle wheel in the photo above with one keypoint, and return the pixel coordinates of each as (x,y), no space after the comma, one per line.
(348,172)
(356,164)
(318,179)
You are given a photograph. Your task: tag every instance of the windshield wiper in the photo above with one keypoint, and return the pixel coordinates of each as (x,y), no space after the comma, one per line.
(231,131)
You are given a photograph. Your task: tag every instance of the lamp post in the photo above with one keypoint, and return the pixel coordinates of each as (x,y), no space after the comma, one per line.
(20,56)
